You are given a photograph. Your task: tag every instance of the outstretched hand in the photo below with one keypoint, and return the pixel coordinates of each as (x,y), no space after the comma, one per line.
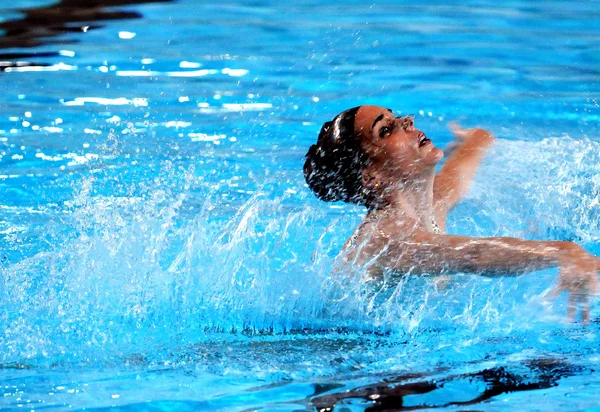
(474,135)
(466,134)
(578,275)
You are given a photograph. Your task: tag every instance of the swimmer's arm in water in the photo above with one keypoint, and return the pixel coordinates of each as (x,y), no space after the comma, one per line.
(453,180)
(431,253)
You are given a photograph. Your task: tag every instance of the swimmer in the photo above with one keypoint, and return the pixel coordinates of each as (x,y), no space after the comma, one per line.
(370,157)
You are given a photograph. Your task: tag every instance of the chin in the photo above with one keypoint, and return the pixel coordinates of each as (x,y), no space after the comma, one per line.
(435,155)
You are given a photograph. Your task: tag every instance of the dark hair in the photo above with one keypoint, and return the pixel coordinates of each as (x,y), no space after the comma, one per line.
(333,166)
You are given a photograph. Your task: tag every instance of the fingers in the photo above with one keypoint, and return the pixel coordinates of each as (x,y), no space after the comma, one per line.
(454,127)
(559,288)
(579,299)
(593,289)
(585,310)
(572,305)
(457,130)
(557,291)
(573,298)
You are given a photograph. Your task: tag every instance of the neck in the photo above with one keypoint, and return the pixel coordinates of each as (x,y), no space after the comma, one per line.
(412,198)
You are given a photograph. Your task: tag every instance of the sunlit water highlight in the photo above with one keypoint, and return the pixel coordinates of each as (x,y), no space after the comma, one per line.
(160,249)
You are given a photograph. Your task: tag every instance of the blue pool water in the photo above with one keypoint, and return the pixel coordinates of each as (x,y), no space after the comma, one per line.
(159,249)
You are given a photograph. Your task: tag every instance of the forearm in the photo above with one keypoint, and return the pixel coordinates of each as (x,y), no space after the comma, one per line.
(499,255)
(453,180)
(489,256)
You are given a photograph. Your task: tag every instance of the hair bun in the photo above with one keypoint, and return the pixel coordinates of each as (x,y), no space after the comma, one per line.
(318,175)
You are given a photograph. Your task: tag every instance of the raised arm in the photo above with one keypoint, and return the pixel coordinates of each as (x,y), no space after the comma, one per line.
(453,180)
(433,254)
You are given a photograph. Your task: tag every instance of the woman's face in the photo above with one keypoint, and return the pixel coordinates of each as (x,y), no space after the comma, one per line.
(394,143)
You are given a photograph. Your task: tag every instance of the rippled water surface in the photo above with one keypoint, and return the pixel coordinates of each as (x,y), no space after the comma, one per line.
(159,249)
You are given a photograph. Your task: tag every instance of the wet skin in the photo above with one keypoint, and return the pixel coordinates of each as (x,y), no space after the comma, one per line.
(395,142)
(397,233)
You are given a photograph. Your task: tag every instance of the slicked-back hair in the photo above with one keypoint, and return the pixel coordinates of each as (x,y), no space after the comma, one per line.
(333,166)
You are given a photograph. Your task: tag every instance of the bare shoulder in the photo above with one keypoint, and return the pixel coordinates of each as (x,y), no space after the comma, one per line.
(372,238)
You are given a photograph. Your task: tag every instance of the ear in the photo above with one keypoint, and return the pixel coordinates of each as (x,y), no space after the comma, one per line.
(369,181)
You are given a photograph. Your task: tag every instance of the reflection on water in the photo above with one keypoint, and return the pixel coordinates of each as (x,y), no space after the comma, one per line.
(411,392)
(44,25)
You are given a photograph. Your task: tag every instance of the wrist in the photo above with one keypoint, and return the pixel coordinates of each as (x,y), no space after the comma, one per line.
(477,140)
(481,136)
(575,255)
(562,252)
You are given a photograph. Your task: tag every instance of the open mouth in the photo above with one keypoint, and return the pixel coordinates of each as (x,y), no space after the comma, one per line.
(423,140)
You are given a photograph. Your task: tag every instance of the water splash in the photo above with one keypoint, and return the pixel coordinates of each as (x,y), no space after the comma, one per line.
(150,270)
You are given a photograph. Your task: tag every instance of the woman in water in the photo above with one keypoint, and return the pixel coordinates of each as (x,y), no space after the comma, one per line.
(370,157)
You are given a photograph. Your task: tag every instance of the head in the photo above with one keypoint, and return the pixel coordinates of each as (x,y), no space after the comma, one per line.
(366,150)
